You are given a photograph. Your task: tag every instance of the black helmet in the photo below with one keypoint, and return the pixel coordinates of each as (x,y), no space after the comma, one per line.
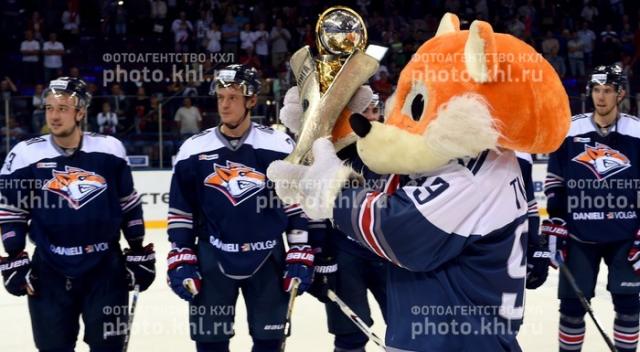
(242,75)
(75,87)
(602,75)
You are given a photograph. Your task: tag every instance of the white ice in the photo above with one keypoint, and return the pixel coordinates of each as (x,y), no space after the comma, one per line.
(161,319)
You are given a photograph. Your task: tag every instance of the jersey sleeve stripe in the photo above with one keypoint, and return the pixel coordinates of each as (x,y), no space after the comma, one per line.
(392,184)
(131,201)
(366,223)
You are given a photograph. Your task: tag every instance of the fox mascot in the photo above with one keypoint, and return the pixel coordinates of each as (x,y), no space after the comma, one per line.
(452,216)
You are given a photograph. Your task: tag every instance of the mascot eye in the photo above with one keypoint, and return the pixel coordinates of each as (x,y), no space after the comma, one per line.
(417,107)
(415,101)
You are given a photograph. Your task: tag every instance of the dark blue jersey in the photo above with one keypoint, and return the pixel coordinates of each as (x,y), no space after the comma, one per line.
(593,179)
(220,194)
(72,206)
(456,236)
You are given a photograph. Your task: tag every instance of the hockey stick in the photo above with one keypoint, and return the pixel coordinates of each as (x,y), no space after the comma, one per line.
(287,325)
(134,301)
(355,319)
(583,300)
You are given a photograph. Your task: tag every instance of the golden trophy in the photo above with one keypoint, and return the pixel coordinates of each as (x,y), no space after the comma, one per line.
(328,82)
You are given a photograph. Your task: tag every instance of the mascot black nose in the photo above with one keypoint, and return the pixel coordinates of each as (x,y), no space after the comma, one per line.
(360,125)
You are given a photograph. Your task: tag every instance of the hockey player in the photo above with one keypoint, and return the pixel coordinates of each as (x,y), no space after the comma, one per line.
(591,201)
(72,193)
(226,225)
(348,268)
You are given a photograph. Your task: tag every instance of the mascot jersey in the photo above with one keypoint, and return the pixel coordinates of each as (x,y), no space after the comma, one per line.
(72,206)
(593,177)
(459,273)
(220,194)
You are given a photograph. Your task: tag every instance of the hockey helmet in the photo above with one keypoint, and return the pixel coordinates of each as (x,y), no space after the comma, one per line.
(602,75)
(244,76)
(74,87)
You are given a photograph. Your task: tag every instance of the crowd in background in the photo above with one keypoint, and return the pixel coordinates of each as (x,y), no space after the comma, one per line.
(44,39)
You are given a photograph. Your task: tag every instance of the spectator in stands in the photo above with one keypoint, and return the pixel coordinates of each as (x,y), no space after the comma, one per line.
(71,21)
(626,38)
(550,44)
(247,38)
(202,26)
(588,39)
(382,85)
(261,40)
(158,14)
(609,45)
(280,38)
(37,103)
(141,107)
(13,130)
(120,21)
(119,103)
(558,63)
(575,48)
(589,12)
(182,29)
(230,35)
(158,9)
(30,50)
(617,7)
(516,27)
(214,36)
(188,119)
(36,25)
(249,58)
(107,120)
(53,51)
(7,89)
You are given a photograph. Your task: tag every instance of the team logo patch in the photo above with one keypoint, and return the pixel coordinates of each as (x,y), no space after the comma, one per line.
(236,181)
(602,160)
(75,185)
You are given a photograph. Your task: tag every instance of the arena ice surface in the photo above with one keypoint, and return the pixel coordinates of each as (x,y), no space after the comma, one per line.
(161,322)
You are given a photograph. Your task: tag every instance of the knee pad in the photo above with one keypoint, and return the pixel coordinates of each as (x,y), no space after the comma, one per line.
(571,307)
(626,304)
(222,346)
(353,342)
(266,345)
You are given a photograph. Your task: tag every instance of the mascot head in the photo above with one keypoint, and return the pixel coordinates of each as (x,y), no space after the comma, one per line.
(464,92)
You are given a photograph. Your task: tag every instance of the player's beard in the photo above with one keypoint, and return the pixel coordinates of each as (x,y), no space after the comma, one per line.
(604,111)
(66,133)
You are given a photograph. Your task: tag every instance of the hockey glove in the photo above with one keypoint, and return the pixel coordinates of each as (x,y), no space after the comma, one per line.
(299,265)
(325,278)
(634,254)
(16,273)
(555,230)
(141,266)
(538,256)
(183,276)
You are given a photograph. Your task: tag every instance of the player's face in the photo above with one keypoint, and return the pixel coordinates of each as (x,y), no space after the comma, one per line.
(61,114)
(605,98)
(232,104)
(372,113)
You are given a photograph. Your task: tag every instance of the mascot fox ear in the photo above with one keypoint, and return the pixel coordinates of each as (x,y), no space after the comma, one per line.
(448,24)
(480,52)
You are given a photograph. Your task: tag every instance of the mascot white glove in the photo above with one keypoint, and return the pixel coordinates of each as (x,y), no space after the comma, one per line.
(314,187)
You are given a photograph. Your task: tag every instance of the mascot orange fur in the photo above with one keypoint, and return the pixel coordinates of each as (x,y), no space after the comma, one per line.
(453,216)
